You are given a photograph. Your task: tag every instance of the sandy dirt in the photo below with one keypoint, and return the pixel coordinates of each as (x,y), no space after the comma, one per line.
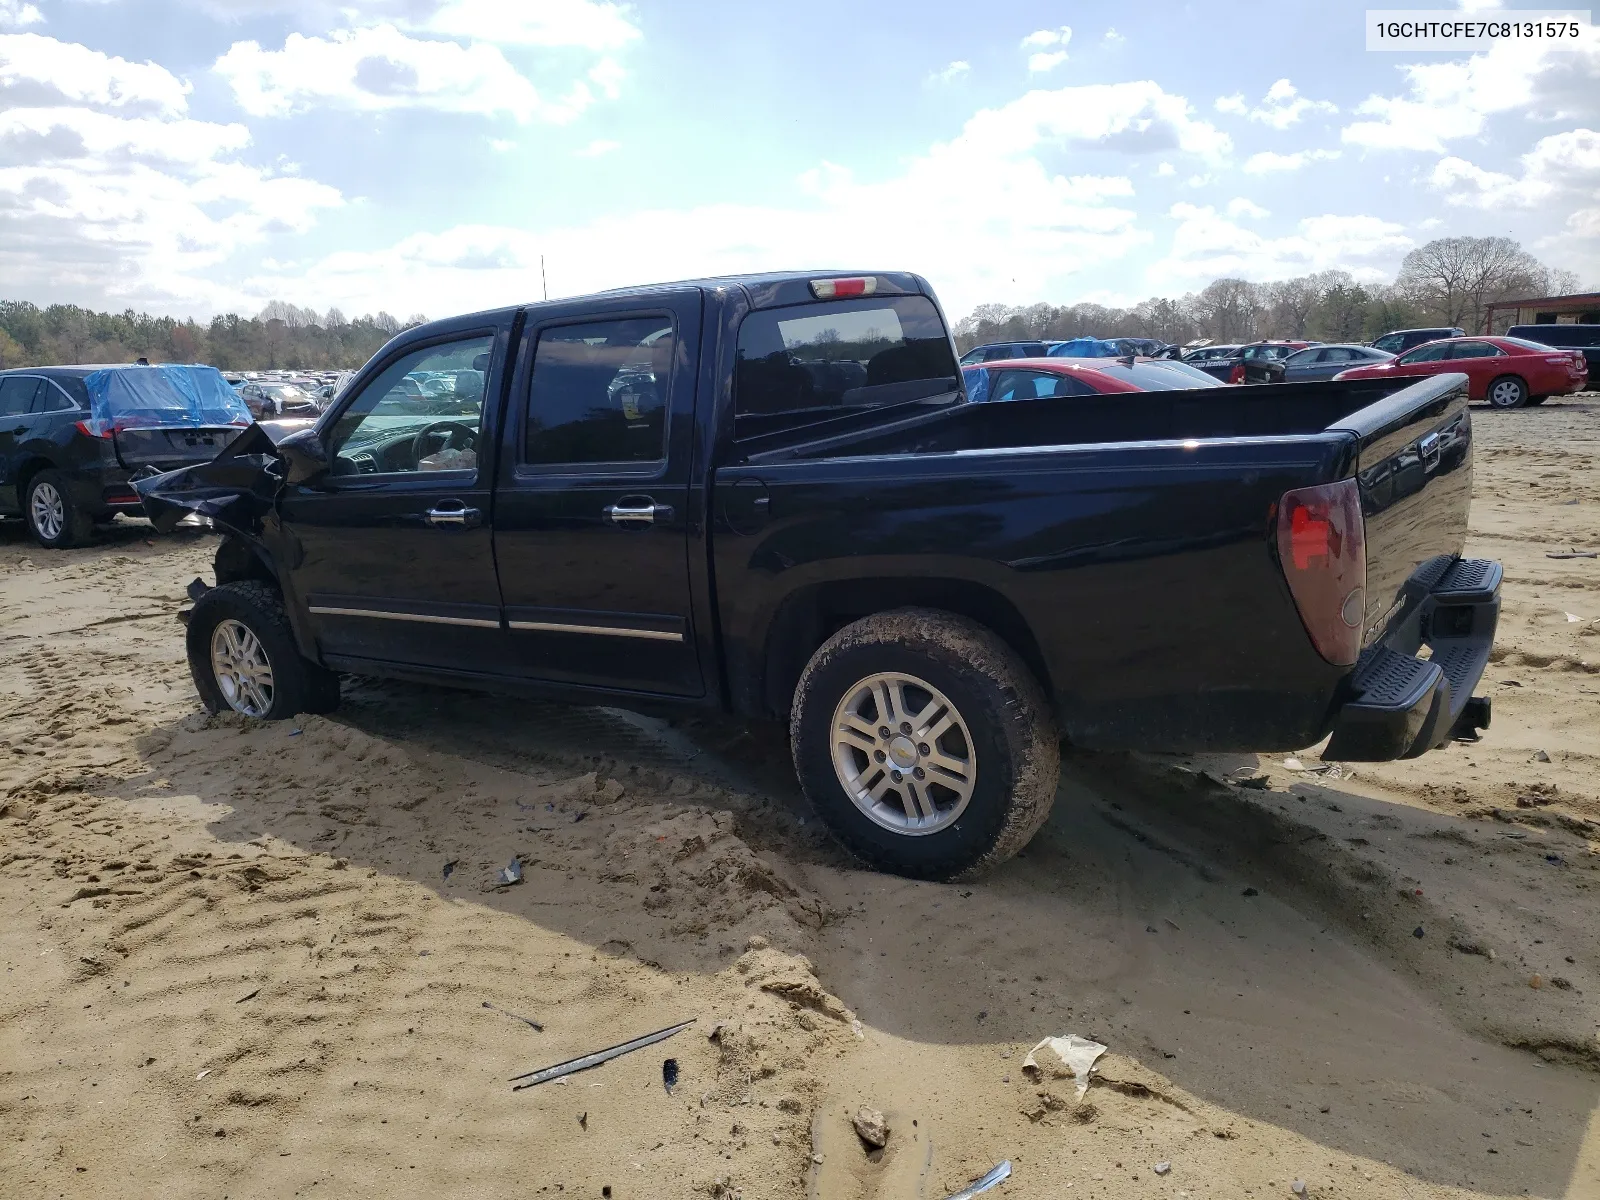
(276,960)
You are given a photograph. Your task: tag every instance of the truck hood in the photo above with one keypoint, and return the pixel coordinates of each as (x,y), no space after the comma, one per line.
(235,489)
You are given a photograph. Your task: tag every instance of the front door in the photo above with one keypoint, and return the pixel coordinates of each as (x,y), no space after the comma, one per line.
(391,551)
(592,509)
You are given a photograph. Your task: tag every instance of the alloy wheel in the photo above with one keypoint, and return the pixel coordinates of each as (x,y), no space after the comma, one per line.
(48,511)
(242,669)
(903,754)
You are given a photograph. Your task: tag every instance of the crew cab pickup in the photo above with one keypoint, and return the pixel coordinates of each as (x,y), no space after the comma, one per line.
(770,494)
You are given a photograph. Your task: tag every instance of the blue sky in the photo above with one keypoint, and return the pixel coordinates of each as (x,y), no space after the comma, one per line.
(197,156)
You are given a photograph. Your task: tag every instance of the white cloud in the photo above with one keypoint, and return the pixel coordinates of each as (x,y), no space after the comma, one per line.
(1447,101)
(951,73)
(1563,165)
(379,68)
(502,145)
(1042,62)
(16,13)
(1280,108)
(1042,38)
(1113,38)
(36,69)
(1197,181)
(1166,168)
(1206,245)
(138,210)
(1241,207)
(598,147)
(579,23)
(966,238)
(1267,160)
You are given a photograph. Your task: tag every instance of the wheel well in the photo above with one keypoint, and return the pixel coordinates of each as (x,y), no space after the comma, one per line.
(814,614)
(237,560)
(25,475)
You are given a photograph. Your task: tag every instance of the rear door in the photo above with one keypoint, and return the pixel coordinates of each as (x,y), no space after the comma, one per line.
(392,550)
(16,400)
(592,510)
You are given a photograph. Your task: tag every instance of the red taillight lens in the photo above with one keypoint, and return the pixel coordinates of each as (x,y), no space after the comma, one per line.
(1322,546)
(844,289)
(1237,374)
(93,428)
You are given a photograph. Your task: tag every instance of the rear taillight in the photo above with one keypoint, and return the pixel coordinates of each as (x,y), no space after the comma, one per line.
(1237,374)
(844,289)
(94,427)
(1322,545)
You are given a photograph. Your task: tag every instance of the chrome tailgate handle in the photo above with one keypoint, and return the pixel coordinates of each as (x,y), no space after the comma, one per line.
(1428,449)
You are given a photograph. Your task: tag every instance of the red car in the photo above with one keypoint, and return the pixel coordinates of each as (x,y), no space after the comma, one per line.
(1038,378)
(1507,372)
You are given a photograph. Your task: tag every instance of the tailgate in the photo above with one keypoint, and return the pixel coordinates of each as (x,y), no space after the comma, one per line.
(1414,468)
(168,448)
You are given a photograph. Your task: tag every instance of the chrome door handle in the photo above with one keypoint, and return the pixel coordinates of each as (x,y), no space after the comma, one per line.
(646,514)
(463,517)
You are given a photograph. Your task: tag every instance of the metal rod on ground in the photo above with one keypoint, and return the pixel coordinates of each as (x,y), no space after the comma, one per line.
(572,1066)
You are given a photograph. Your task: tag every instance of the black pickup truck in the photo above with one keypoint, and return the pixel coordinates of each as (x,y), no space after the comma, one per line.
(770,494)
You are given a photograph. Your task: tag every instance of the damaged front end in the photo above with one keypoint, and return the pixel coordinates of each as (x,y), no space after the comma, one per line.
(236,489)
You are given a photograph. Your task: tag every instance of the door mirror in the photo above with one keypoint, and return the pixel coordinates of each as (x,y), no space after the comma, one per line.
(304,455)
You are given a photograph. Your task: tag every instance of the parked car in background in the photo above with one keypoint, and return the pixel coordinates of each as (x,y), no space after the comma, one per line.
(72,437)
(769,494)
(1401,340)
(1507,372)
(1585,338)
(1249,363)
(1206,355)
(997,350)
(1320,362)
(279,400)
(1039,378)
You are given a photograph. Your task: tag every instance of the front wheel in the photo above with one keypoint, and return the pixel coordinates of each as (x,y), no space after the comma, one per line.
(54,520)
(925,744)
(243,657)
(1508,392)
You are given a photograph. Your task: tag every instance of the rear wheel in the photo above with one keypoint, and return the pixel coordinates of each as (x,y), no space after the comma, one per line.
(243,657)
(1508,392)
(925,744)
(54,520)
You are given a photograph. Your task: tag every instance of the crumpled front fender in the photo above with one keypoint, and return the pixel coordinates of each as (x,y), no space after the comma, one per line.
(236,489)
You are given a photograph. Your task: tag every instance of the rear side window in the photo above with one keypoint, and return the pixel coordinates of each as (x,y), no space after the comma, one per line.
(843,356)
(16,394)
(1472,350)
(599,393)
(50,398)
(1038,385)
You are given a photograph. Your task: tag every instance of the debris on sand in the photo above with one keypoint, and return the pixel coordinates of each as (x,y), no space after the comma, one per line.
(511,873)
(1162,1168)
(669,1074)
(871,1128)
(1076,1053)
(530,1079)
(978,1186)
(528,1021)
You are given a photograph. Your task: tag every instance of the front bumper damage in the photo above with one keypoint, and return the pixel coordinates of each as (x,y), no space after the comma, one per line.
(1401,705)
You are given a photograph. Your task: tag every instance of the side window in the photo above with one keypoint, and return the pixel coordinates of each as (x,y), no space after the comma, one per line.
(1460,349)
(423,412)
(599,393)
(977,380)
(1025,385)
(1427,354)
(16,394)
(50,398)
(1391,344)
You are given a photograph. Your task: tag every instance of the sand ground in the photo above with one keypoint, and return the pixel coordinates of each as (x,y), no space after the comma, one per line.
(236,964)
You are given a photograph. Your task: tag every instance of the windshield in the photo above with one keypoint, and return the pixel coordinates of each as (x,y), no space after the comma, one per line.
(817,360)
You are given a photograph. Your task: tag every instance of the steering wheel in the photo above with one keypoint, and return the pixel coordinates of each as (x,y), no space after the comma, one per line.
(449,429)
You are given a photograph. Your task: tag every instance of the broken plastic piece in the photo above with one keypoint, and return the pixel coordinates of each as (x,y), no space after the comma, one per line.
(1079,1055)
(511,872)
(995,1177)
(572,1066)
(669,1074)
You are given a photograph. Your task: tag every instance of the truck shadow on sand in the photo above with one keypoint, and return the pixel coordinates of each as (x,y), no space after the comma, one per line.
(1241,945)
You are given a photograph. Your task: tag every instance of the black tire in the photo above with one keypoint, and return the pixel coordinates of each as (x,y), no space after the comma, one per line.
(298,685)
(1016,753)
(72,526)
(1508,391)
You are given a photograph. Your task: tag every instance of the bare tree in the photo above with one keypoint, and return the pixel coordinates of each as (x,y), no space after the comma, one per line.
(1229,309)
(1454,279)
(1562,281)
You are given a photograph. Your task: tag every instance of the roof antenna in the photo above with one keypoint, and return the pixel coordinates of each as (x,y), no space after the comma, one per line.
(542,278)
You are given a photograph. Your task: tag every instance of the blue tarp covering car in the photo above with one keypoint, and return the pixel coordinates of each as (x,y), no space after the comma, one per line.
(1085,347)
(168,396)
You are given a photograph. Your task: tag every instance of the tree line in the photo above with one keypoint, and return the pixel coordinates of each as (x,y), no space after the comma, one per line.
(1447,282)
(281,335)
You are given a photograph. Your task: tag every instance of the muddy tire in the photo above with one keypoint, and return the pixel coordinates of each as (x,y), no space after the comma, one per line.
(55,522)
(925,744)
(1508,392)
(243,657)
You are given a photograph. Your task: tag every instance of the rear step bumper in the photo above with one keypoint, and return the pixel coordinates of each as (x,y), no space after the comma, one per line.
(1400,705)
